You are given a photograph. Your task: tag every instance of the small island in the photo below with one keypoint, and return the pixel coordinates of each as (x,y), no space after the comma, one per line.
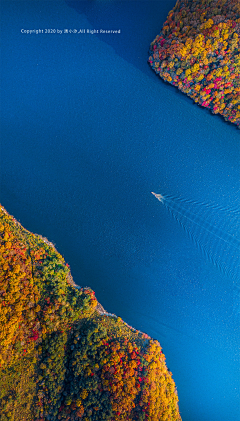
(198,52)
(62,356)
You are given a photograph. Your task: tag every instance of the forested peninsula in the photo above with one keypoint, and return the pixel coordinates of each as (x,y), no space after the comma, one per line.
(62,357)
(197,51)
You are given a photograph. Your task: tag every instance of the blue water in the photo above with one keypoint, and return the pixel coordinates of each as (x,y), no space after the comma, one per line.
(88,131)
(213,229)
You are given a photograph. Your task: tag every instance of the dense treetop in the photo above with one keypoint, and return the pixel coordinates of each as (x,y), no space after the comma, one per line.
(61,358)
(198,51)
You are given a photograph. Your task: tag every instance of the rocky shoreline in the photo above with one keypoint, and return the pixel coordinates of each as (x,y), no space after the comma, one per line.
(100,309)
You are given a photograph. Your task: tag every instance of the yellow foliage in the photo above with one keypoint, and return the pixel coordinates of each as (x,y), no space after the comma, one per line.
(84,394)
(179,71)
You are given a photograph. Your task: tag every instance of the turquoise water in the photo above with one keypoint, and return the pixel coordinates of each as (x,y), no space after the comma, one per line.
(88,131)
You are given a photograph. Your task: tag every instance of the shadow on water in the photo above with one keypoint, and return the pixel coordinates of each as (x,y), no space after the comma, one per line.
(139,22)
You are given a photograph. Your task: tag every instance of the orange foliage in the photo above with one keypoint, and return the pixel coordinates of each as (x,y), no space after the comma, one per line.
(203,48)
(54,339)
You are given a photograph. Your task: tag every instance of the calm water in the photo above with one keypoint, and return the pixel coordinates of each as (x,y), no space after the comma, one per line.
(88,132)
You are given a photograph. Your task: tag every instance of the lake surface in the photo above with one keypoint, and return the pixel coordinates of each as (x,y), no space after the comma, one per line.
(88,131)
